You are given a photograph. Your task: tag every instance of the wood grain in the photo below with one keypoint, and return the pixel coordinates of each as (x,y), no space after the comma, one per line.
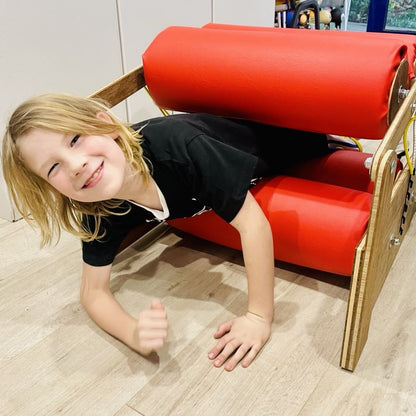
(54,360)
(122,87)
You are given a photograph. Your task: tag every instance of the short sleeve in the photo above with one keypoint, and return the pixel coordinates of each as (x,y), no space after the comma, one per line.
(101,252)
(221,174)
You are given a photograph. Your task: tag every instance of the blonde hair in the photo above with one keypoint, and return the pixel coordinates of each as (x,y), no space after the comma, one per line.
(35,199)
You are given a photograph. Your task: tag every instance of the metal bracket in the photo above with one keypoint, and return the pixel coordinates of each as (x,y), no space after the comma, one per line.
(409,200)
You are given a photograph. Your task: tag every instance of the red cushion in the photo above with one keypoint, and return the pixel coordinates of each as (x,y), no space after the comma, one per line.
(409,40)
(314,224)
(343,168)
(313,83)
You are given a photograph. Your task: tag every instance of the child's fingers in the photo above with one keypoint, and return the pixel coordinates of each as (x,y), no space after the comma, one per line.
(228,350)
(251,355)
(157,309)
(156,304)
(154,334)
(223,329)
(155,318)
(150,323)
(240,353)
(217,349)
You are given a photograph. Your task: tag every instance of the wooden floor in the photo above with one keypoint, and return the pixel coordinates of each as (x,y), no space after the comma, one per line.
(54,360)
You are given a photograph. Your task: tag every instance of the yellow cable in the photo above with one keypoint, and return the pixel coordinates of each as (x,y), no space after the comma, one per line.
(357,143)
(406,150)
(162,110)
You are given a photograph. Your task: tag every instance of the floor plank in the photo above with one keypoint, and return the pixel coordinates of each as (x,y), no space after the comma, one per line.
(54,360)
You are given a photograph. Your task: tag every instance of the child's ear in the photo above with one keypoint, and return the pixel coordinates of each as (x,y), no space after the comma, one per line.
(102,115)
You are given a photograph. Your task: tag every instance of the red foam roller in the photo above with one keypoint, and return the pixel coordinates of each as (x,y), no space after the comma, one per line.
(342,168)
(408,40)
(280,78)
(314,224)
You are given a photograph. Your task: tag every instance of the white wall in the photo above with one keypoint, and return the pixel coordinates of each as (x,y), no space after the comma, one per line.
(48,45)
(140,22)
(79,46)
(244,12)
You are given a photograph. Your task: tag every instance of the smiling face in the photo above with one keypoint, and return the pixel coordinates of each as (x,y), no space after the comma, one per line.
(83,168)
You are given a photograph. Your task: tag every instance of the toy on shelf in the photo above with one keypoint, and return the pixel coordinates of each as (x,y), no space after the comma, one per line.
(306,14)
(297,14)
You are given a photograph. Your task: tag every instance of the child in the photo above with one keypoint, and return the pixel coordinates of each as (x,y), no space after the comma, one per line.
(69,164)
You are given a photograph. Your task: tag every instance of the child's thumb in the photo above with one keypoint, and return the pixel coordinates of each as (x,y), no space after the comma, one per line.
(156,304)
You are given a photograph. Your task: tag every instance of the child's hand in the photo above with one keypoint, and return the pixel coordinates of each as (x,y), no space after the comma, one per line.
(151,329)
(241,339)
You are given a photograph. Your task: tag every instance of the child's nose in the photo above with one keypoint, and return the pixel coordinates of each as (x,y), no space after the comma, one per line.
(77,166)
(78,171)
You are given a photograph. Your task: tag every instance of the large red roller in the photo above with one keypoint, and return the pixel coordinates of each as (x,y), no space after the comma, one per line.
(314,224)
(305,82)
(342,168)
(408,40)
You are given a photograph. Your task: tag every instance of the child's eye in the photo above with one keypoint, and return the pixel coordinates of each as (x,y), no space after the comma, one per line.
(52,168)
(74,140)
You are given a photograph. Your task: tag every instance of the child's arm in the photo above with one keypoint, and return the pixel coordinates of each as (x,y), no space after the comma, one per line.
(144,334)
(245,336)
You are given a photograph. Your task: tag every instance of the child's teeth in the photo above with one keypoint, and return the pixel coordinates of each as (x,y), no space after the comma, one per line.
(93,177)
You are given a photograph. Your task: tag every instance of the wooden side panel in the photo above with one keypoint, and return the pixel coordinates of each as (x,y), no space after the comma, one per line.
(380,251)
(351,317)
(395,132)
(374,259)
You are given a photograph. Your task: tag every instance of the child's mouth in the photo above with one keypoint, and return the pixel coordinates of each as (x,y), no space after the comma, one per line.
(93,179)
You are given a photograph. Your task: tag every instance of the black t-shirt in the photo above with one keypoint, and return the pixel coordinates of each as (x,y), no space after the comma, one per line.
(204,162)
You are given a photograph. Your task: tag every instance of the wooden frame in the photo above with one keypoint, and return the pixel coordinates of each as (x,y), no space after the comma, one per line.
(387,225)
(122,88)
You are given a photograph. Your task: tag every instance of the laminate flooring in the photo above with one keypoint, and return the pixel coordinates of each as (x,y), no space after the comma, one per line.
(55,361)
